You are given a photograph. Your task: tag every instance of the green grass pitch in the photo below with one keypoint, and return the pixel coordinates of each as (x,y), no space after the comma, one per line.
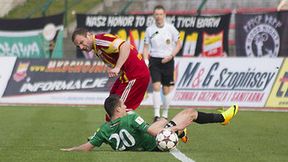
(36,133)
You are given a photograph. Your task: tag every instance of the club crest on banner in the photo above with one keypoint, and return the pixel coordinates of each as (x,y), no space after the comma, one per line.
(261,35)
(262,41)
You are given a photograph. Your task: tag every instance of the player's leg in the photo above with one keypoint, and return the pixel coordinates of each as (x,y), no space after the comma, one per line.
(186,117)
(156,100)
(182,120)
(155,73)
(132,93)
(166,100)
(167,87)
(224,118)
(158,125)
(167,81)
(136,94)
(229,114)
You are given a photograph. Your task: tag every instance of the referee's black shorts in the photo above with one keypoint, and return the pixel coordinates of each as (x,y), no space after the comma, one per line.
(163,73)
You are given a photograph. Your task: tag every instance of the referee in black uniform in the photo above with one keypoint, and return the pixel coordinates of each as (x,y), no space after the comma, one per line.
(163,44)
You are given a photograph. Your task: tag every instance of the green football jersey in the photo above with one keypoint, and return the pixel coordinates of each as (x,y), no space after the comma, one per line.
(125,133)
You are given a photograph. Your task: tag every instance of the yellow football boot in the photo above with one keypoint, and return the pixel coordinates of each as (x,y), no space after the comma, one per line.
(229,114)
(183,135)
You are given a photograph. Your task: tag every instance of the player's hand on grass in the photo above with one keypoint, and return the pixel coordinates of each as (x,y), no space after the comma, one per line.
(66,149)
(84,147)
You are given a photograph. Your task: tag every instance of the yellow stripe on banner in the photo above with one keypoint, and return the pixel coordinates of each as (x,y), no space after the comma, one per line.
(279,94)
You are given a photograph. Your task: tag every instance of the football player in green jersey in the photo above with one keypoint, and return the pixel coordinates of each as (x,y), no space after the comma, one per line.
(128,131)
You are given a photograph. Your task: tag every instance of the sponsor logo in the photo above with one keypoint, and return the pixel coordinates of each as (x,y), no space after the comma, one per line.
(223,78)
(139,120)
(68,66)
(75,66)
(21,71)
(45,76)
(200,82)
(283,87)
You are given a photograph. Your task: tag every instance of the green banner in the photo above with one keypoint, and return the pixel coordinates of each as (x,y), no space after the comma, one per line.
(32,38)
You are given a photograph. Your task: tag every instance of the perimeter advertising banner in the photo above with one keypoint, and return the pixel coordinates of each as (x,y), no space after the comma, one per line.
(225,81)
(32,38)
(52,81)
(262,35)
(200,35)
(199,82)
(279,93)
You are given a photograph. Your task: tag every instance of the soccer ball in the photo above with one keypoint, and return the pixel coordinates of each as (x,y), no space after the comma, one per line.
(166,140)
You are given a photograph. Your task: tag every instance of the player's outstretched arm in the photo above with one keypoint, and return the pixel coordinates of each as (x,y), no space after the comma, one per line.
(84,147)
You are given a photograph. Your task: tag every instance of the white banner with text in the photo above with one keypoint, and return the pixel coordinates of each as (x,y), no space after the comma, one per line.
(198,81)
(224,81)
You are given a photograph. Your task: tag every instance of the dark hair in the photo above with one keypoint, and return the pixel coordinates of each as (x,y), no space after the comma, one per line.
(79,31)
(111,103)
(159,7)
